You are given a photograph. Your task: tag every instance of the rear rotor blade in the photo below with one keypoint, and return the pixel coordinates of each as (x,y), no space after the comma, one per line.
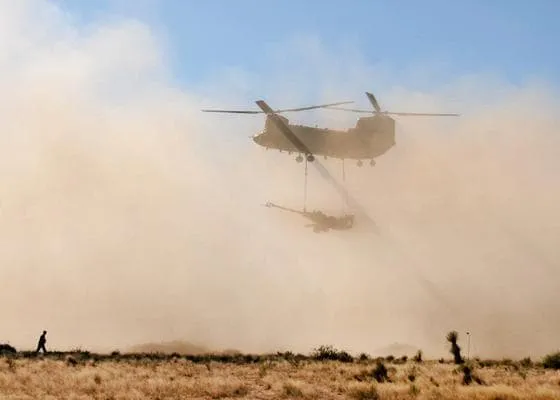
(420,114)
(394,113)
(373,101)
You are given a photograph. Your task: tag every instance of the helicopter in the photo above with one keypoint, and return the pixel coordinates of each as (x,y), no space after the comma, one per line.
(370,138)
(320,221)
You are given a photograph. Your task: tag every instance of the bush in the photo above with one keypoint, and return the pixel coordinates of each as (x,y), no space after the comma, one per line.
(7,349)
(366,393)
(401,360)
(412,374)
(552,361)
(418,357)
(364,357)
(452,338)
(379,373)
(329,353)
(526,362)
(467,375)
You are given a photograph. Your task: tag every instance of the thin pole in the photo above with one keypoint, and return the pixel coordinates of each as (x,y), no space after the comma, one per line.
(305,188)
(344,184)
(468,345)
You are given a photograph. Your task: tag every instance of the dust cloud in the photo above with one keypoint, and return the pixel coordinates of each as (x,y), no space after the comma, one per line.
(128,216)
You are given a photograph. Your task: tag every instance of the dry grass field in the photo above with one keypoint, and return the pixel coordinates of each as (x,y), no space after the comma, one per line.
(280,376)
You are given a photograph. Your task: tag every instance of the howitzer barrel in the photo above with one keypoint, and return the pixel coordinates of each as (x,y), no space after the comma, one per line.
(269,204)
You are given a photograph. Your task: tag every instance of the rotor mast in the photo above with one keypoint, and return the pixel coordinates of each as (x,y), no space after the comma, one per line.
(305,188)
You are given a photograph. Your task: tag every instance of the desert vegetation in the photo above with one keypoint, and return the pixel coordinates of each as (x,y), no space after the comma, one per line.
(326,373)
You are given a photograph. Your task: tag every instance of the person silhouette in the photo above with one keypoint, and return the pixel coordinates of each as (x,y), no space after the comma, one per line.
(42,342)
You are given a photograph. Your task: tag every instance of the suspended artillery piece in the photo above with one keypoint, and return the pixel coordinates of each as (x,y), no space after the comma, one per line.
(320,222)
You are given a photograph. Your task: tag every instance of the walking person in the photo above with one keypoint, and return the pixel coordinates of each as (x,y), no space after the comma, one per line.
(42,342)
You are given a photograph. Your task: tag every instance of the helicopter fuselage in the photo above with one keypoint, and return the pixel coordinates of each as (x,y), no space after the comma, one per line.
(370,138)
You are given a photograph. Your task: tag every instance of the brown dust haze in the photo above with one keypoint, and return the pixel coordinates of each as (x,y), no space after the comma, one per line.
(127,215)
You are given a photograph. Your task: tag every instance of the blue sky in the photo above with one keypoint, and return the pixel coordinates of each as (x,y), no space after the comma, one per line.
(516,39)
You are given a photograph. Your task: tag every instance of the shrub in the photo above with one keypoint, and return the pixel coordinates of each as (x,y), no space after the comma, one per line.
(401,360)
(467,376)
(7,349)
(11,364)
(379,373)
(526,362)
(366,393)
(412,374)
(330,353)
(71,361)
(452,338)
(552,361)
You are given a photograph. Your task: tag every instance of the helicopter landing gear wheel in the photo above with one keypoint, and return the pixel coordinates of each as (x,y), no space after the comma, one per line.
(360,163)
(310,158)
(372,163)
(299,158)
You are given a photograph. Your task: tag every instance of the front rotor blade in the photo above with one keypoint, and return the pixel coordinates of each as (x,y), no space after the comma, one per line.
(234,111)
(313,107)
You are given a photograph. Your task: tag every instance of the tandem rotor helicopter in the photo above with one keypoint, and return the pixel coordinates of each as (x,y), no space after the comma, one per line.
(371,137)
